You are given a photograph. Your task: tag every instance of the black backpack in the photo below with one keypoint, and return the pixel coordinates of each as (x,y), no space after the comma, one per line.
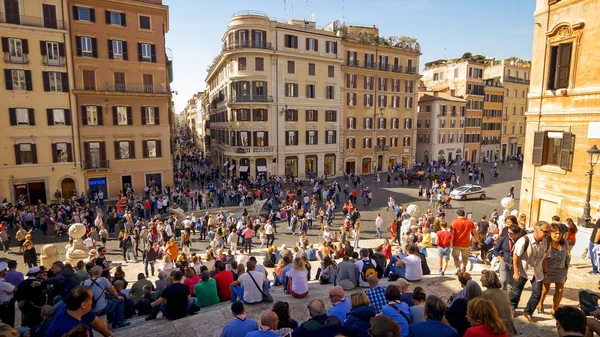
(368,269)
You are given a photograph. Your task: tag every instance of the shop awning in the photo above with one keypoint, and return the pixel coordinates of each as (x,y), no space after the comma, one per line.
(261,168)
(244,168)
(232,167)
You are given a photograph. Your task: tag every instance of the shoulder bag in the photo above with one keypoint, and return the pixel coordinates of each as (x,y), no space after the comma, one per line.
(266,296)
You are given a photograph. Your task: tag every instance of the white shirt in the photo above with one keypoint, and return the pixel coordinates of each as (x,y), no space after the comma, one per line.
(299,281)
(6,290)
(532,260)
(269,229)
(252,294)
(378,222)
(242,258)
(187,223)
(413,271)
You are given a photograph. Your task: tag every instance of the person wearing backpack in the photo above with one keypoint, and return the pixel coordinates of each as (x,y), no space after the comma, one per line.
(530,251)
(503,251)
(101,305)
(366,266)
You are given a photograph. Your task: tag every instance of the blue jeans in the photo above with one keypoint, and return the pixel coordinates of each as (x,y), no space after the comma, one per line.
(146,263)
(534,299)
(116,310)
(392,266)
(591,254)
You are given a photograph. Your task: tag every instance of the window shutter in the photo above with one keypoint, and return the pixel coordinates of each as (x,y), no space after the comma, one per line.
(307,142)
(107,15)
(158,148)
(69,152)
(94,47)
(18,154)
(5,46)
(31,116)
(117,150)
(67,117)
(34,154)
(551,69)
(365,82)
(115,116)
(335,48)
(287,90)
(123,20)
(266,138)
(564,65)
(153,51)
(78,45)
(43,48)
(86,151)
(539,138)
(566,151)
(296,135)
(365,99)
(139,52)
(28,82)
(8,79)
(384,101)
(143,111)
(307,43)
(83,115)
(12,113)
(61,50)
(295,89)
(92,15)
(131,149)
(50,115)
(64,78)
(100,116)
(102,151)
(46,80)
(75,13)
(156,116)
(125,53)
(25,46)
(145,148)
(54,153)
(110,50)
(129,116)
(287,138)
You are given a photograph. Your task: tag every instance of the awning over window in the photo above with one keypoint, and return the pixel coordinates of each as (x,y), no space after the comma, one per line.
(261,168)
(244,168)
(232,167)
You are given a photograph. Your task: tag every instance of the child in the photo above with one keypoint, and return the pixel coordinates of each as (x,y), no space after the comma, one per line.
(425,241)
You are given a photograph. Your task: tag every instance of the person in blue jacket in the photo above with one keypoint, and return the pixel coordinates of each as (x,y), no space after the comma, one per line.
(433,326)
(358,320)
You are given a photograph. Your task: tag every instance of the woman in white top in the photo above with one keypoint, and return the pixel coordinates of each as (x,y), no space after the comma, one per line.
(166,265)
(297,284)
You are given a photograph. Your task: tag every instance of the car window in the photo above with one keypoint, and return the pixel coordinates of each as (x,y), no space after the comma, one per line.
(476,189)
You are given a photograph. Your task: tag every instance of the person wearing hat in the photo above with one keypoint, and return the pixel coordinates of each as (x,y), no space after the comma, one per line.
(13,276)
(32,299)
(7,300)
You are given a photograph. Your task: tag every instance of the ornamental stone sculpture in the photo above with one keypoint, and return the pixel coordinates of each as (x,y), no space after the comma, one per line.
(49,255)
(78,251)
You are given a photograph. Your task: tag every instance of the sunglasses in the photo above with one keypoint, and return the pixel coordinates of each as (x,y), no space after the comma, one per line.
(369,332)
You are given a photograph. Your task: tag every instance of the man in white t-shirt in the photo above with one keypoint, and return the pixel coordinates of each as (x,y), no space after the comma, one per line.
(413,271)
(270,233)
(378,224)
(246,288)
(187,224)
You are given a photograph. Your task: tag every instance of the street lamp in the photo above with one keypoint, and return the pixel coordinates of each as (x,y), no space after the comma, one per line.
(594,155)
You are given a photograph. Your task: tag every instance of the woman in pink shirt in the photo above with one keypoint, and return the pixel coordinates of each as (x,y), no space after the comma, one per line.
(191,278)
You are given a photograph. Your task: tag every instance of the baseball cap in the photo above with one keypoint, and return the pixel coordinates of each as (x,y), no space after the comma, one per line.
(3,266)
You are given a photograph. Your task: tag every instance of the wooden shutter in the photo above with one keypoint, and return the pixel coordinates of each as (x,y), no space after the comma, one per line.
(365,82)
(131,149)
(43,48)
(46,80)
(86,151)
(115,116)
(102,151)
(94,47)
(158,148)
(28,82)
(307,43)
(31,113)
(566,151)
(335,48)
(78,46)
(54,153)
(8,79)
(125,52)
(117,150)
(5,46)
(537,158)
(129,116)
(64,78)
(83,115)
(153,53)
(67,117)
(61,50)
(139,52)
(110,50)
(34,154)
(145,148)
(12,112)
(18,154)
(156,116)
(75,13)
(307,137)
(100,116)
(564,65)
(92,15)
(107,16)
(143,111)
(123,20)
(50,115)
(25,46)
(69,152)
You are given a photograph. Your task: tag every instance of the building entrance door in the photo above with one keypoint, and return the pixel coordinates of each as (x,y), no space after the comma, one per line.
(350,167)
(126,182)
(67,186)
(380,162)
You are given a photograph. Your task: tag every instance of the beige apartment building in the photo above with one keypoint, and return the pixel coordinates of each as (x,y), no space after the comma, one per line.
(275,99)
(39,152)
(379,94)
(514,74)
(463,78)
(491,125)
(122,93)
(563,113)
(440,127)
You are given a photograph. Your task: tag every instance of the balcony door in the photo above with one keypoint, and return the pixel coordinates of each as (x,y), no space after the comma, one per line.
(11,10)
(49,12)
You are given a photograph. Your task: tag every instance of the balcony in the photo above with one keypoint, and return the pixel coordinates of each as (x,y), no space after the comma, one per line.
(370,65)
(32,21)
(127,88)
(410,70)
(382,148)
(384,66)
(248,149)
(516,80)
(8,58)
(96,165)
(353,63)
(60,62)
(397,69)
(251,99)
(248,44)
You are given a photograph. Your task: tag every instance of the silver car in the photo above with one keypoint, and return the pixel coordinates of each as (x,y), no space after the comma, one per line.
(468,192)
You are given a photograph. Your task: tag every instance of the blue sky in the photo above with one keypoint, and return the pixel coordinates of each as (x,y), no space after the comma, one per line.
(443,28)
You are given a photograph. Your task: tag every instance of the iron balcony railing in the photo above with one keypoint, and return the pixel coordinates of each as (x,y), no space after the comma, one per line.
(247,44)
(516,80)
(135,88)
(411,70)
(353,63)
(60,62)
(384,66)
(255,98)
(96,165)
(397,69)
(32,21)
(371,65)
(8,58)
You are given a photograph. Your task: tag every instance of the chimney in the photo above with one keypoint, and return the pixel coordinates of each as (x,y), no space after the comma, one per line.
(435,94)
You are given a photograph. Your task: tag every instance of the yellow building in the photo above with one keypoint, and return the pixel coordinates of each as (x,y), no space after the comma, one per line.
(491,125)
(563,112)
(39,152)
(380,101)
(514,74)
(275,99)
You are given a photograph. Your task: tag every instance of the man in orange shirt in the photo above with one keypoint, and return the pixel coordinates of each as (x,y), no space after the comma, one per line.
(461,229)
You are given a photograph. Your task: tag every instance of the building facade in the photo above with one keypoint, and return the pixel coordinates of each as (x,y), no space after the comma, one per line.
(491,126)
(462,78)
(275,99)
(122,93)
(440,127)
(563,111)
(514,74)
(40,153)
(379,94)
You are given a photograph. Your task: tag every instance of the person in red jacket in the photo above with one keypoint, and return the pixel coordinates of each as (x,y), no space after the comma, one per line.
(224,278)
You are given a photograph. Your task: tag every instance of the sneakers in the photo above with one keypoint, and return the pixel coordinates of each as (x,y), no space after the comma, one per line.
(121,325)
(149,318)
(442,273)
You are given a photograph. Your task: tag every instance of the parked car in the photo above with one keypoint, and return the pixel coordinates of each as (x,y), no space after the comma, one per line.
(468,192)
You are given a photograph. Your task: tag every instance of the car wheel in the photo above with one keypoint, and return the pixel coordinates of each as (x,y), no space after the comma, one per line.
(482,196)
(464,197)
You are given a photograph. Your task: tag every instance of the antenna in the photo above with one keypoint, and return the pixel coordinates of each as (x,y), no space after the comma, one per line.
(343,16)
(292,9)
(307,14)
(285,10)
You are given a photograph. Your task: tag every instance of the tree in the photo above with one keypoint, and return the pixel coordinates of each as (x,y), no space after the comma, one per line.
(407,40)
(467,55)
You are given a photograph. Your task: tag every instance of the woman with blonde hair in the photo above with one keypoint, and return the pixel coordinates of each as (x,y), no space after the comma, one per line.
(494,293)
(166,265)
(358,320)
(356,233)
(186,242)
(484,319)
(210,261)
(297,284)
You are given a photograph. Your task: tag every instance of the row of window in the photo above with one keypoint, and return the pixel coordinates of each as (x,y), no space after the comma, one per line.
(20,80)
(26,116)
(87,46)
(381,123)
(444,110)
(382,100)
(122,115)
(383,85)
(513,129)
(515,93)
(490,140)
(114,18)
(492,113)
(491,126)
(26,153)
(367,142)
(291,90)
(311,44)
(16,50)
(493,98)
(384,63)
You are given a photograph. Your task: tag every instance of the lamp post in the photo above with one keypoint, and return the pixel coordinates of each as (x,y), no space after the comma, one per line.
(594,155)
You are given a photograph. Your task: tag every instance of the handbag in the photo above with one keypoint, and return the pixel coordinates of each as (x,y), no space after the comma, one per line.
(266,296)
